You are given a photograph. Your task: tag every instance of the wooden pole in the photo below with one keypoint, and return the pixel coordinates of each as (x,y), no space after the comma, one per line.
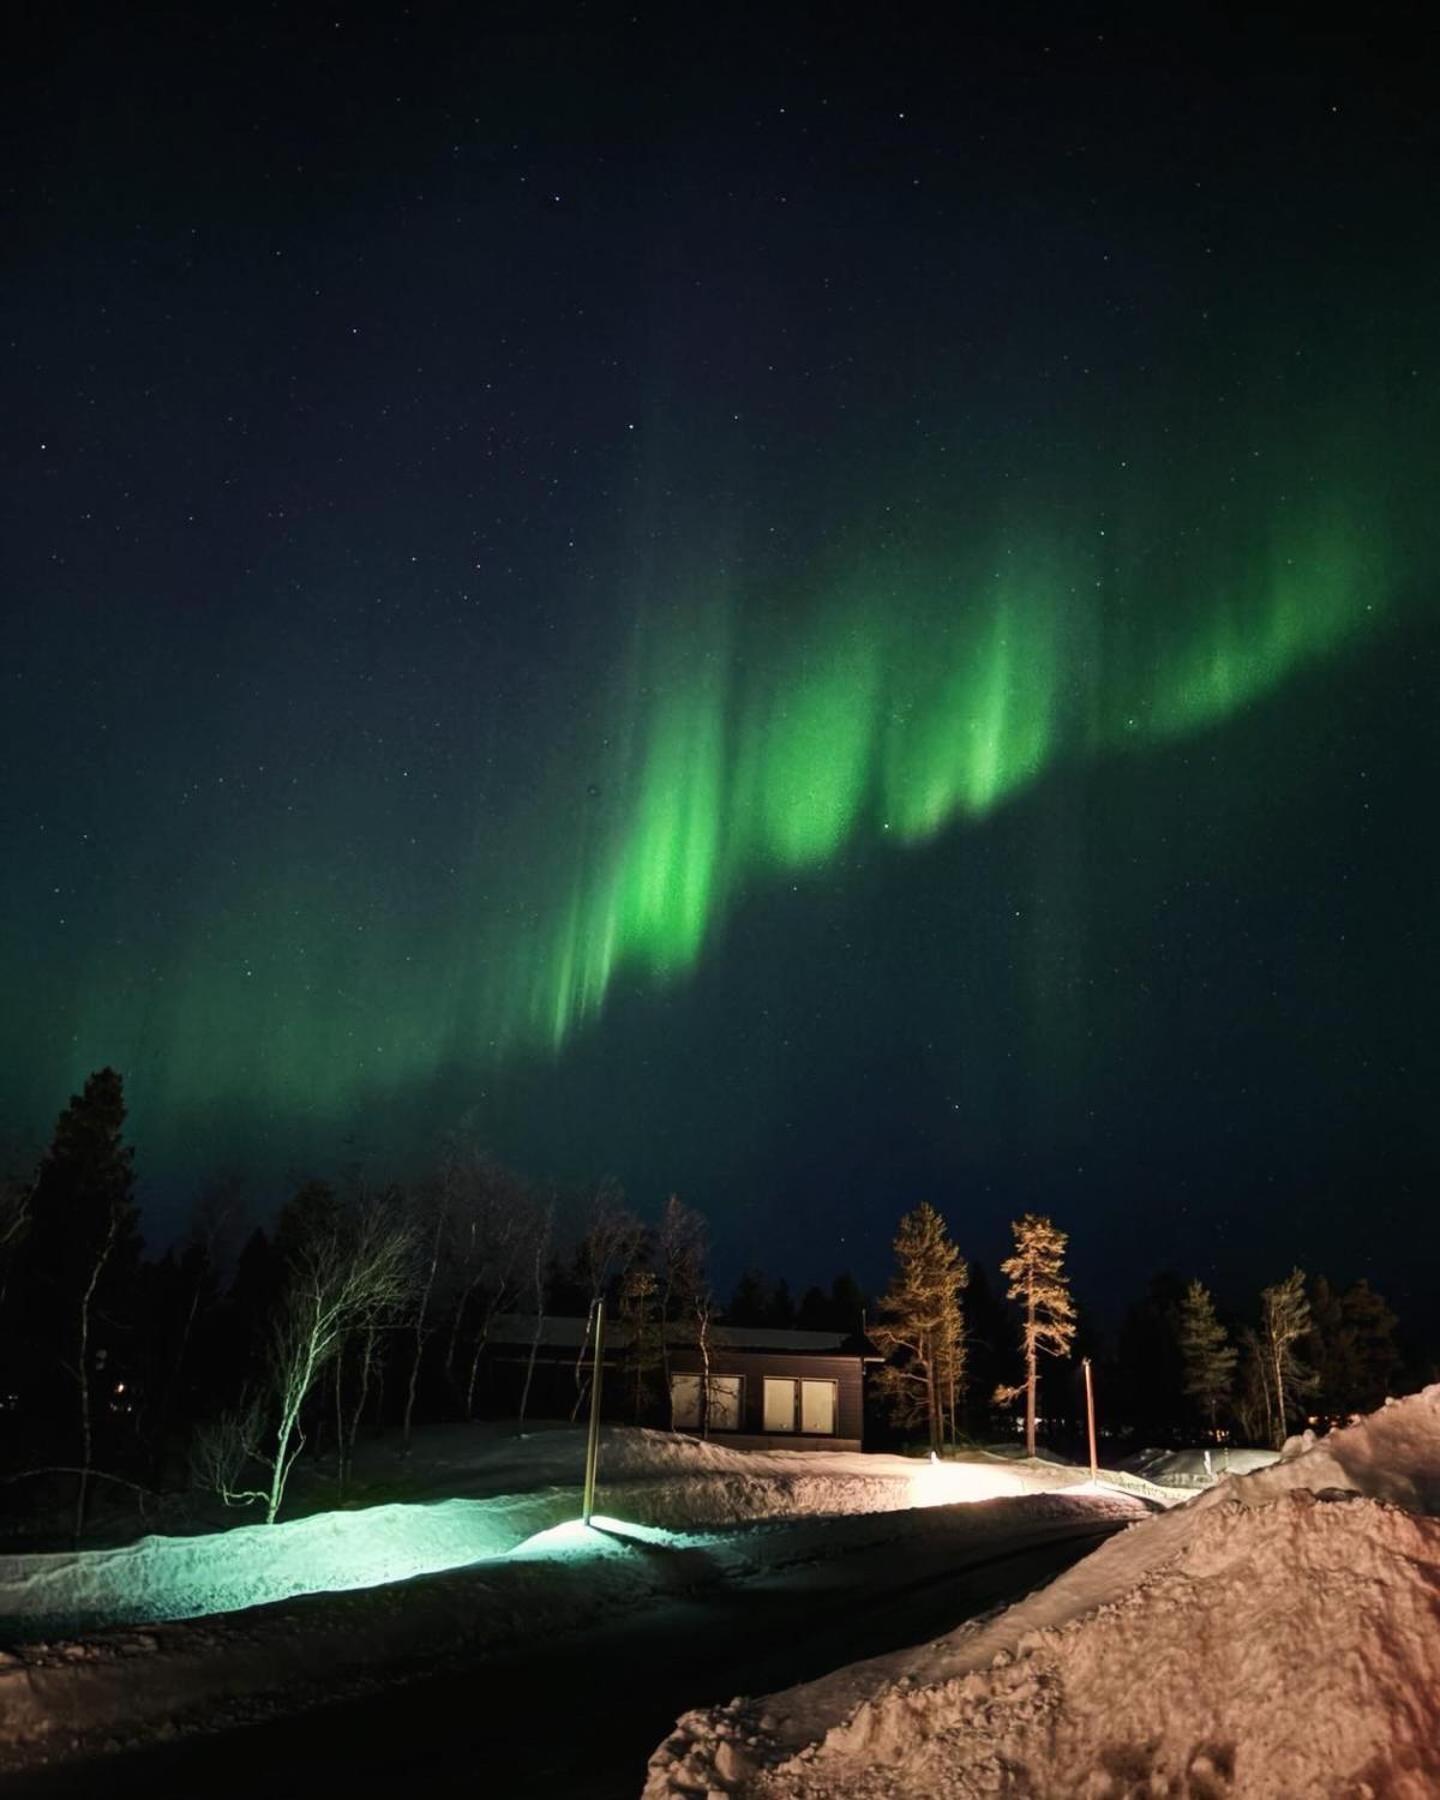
(592,1441)
(1090,1416)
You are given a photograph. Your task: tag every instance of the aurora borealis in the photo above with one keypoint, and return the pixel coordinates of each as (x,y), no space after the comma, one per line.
(814,619)
(920,705)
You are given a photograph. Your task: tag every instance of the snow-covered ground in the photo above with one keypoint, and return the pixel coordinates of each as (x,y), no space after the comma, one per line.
(502,1491)
(1197,1468)
(338,1596)
(1276,1636)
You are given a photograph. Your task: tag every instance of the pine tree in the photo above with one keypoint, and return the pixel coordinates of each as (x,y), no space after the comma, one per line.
(1373,1358)
(1039,1283)
(921,1329)
(1150,1372)
(1208,1354)
(750,1303)
(847,1303)
(1352,1343)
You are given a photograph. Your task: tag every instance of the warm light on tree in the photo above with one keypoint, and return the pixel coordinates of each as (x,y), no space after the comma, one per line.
(1038,1281)
(921,1329)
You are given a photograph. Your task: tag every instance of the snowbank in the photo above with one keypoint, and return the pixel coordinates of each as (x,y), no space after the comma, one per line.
(1393,1454)
(1197,1468)
(652,1478)
(189,1577)
(115,1641)
(1277,1636)
(121,1686)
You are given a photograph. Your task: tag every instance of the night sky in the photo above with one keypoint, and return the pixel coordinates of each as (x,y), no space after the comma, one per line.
(810,616)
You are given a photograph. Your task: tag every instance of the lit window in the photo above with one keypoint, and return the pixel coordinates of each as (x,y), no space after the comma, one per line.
(805,1406)
(724,1402)
(779,1404)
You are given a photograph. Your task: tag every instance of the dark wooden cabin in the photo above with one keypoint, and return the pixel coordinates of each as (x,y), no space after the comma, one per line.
(768,1388)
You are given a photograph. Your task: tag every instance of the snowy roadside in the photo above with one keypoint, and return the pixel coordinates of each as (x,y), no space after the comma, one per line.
(506,1491)
(123,1685)
(1275,1636)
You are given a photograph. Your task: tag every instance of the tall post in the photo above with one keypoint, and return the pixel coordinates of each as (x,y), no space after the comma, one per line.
(1090,1416)
(592,1441)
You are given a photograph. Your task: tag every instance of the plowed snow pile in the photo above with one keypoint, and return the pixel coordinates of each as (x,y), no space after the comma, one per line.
(1278,1636)
(653,1478)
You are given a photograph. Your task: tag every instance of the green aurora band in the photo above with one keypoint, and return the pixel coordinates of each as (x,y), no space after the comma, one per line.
(343,958)
(900,717)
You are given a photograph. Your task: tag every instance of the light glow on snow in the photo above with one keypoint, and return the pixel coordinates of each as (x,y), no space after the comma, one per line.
(190,1577)
(603,1536)
(936,1483)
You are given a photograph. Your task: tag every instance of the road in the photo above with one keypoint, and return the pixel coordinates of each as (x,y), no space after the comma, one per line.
(579,1718)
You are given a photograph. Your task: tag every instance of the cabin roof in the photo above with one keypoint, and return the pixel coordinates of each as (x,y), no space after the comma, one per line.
(560,1333)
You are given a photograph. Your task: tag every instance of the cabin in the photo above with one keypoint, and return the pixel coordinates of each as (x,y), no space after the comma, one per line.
(768,1388)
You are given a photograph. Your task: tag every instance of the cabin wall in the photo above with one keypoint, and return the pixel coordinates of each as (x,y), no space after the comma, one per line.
(753,1366)
(554,1393)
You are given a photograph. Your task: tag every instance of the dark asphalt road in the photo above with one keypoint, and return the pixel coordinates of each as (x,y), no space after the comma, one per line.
(579,1718)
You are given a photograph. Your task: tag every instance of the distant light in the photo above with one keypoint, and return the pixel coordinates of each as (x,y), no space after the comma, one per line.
(951,1483)
(603,1536)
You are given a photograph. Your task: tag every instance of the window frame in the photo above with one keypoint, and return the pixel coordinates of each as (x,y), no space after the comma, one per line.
(695,1375)
(796,1427)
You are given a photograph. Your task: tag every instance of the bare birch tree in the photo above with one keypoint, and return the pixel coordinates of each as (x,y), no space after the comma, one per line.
(433,1211)
(704,1306)
(680,1247)
(1038,1282)
(14,1217)
(1284,1322)
(82,1369)
(544,1223)
(490,1218)
(1254,1400)
(345,1273)
(610,1245)
(643,1329)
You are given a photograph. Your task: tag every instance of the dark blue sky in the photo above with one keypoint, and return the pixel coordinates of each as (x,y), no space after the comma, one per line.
(812,614)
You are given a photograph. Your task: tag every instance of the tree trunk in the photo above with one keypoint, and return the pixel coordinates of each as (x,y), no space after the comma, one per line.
(83,1495)
(582,1384)
(1032,1378)
(474,1372)
(367,1357)
(280,1468)
(455,1323)
(420,1318)
(298,1382)
(341,1468)
(702,1323)
(539,1329)
(1279,1432)
(529,1373)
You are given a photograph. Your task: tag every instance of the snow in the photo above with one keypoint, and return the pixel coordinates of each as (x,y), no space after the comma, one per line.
(188,1577)
(1199,1467)
(1275,1636)
(121,1642)
(653,1477)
